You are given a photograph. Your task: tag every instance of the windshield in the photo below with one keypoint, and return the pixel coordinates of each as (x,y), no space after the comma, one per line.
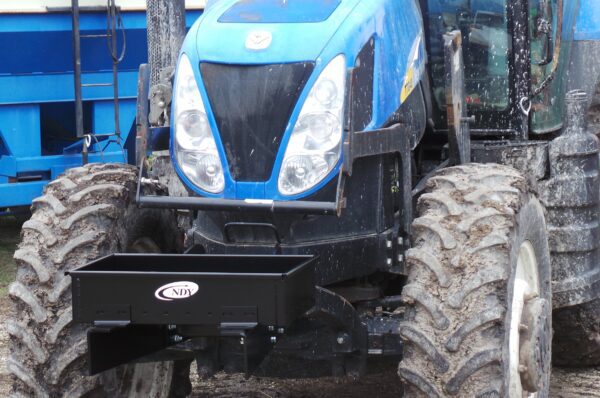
(486,45)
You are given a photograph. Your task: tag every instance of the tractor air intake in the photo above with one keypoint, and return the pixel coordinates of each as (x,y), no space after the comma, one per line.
(251,119)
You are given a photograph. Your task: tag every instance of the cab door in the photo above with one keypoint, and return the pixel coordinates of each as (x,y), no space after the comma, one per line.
(551,36)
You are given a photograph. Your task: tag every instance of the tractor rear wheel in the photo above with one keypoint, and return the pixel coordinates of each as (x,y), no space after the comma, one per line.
(85,214)
(478,321)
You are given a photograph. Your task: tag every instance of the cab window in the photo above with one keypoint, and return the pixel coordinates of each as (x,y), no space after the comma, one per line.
(486,49)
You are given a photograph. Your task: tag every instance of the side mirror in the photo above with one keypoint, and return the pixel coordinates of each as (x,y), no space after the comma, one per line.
(542,33)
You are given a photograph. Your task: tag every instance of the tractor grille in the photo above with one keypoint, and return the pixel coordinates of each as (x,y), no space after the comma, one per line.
(252,106)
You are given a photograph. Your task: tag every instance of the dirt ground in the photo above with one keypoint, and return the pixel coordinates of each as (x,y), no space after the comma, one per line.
(9,237)
(566,383)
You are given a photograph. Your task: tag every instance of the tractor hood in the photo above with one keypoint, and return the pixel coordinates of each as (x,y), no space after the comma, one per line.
(257,66)
(268,31)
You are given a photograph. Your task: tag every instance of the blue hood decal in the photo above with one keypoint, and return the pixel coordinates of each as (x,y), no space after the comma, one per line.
(290,42)
(280,11)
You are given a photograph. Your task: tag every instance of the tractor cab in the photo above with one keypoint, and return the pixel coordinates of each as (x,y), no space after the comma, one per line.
(507,78)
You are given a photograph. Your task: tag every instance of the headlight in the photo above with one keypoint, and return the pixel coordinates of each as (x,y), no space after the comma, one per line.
(194,144)
(315,146)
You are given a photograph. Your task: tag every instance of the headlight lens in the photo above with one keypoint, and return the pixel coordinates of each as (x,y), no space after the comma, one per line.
(195,147)
(315,146)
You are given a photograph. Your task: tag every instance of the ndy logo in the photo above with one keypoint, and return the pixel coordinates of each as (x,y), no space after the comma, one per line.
(176,291)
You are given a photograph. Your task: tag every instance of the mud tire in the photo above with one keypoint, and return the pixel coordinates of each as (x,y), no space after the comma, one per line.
(473,220)
(86,213)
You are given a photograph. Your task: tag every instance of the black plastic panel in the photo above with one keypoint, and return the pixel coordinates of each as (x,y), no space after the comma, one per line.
(252,106)
(362,87)
(183,289)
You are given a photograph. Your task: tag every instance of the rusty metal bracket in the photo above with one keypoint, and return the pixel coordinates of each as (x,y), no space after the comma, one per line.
(459,133)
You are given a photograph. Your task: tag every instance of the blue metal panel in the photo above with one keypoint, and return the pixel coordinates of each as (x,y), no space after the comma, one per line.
(36,95)
(588,20)
(41,88)
(20,130)
(104,121)
(22,193)
(399,63)
(43,42)
(52,50)
(20,165)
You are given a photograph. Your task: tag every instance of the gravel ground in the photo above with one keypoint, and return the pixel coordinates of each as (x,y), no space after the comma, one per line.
(235,386)
(566,383)
(4,379)
(9,236)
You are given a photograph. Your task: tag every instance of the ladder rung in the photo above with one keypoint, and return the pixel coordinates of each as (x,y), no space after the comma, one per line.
(103,135)
(94,36)
(96,85)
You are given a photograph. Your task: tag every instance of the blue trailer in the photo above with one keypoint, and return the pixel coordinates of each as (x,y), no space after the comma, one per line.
(38,138)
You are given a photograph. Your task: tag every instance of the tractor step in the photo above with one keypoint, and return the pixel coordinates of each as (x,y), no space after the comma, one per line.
(218,292)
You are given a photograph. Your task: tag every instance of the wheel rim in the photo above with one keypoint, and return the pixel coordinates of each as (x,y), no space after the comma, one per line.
(526,287)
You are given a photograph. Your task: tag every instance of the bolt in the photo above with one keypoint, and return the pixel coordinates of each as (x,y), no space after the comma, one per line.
(529,297)
(176,338)
(400,258)
(271,328)
(342,338)
(171,327)
(161,104)
(273,339)
(523,328)
(242,341)
(400,241)
(281,330)
(522,369)
(388,244)
(389,262)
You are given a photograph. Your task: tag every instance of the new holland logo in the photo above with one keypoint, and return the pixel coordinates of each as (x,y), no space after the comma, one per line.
(176,291)
(258,40)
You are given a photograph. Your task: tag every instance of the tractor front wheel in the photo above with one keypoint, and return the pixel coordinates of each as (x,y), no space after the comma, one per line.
(478,322)
(85,214)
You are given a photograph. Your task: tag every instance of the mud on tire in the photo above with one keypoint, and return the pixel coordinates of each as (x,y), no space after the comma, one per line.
(473,222)
(86,213)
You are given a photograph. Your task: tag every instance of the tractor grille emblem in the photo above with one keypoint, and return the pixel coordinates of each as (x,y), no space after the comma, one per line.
(258,40)
(176,291)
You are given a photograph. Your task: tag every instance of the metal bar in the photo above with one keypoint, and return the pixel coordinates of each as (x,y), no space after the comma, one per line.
(141,113)
(271,206)
(96,84)
(459,135)
(77,76)
(521,57)
(104,135)
(93,36)
(109,348)
(115,62)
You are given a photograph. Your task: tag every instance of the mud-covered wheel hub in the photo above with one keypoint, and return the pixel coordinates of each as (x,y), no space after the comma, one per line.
(535,344)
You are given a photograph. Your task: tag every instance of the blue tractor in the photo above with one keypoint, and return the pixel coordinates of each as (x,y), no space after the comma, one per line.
(323,184)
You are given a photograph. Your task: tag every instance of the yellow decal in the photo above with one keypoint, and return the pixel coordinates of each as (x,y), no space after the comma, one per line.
(409,84)
(413,72)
